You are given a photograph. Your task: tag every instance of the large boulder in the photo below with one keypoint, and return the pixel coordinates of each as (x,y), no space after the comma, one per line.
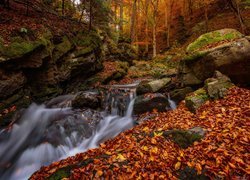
(149,102)
(152,86)
(224,50)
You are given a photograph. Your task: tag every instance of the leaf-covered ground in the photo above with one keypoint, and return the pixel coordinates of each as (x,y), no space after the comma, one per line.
(143,151)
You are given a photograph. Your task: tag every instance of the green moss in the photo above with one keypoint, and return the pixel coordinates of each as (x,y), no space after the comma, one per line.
(84,51)
(18,49)
(213,37)
(183,138)
(61,49)
(195,56)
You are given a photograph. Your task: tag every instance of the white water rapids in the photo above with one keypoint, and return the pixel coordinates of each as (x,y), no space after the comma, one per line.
(23,152)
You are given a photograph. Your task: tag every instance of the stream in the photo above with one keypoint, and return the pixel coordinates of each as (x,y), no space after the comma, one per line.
(54,131)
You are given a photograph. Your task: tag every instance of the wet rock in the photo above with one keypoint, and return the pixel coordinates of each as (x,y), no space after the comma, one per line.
(87,100)
(148,102)
(152,86)
(77,125)
(218,86)
(195,100)
(179,94)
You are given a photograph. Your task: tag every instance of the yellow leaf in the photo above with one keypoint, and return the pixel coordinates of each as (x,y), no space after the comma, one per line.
(154,150)
(146,129)
(108,153)
(120,157)
(177,165)
(158,134)
(145,148)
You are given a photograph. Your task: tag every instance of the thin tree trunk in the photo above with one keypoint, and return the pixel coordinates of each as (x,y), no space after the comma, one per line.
(133,18)
(169,21)
(63,7)
(121,18)
(90,14)
(206,17)
(146,28)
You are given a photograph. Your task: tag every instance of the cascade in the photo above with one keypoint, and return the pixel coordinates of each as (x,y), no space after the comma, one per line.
(48,133)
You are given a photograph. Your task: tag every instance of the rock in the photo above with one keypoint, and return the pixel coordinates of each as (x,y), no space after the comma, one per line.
(218,86)
(152,86)
(87,100)
(230,55)
(148,102)
(213,37)
(197,130)
(182,137)
(195,100)
(10,82)
(179,94)
(61,49)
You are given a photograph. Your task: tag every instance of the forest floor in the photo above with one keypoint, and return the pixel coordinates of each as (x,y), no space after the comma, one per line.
(13,20)
(144,151)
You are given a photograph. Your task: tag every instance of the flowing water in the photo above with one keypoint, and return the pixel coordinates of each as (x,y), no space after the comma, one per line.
(48,133)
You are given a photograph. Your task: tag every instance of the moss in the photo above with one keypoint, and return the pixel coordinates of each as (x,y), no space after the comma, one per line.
(213,37)
(84,51)
(183,138)
(18,49)
(195,56)
(191,174)
(61,49)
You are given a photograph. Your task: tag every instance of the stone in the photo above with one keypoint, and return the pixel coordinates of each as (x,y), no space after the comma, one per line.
(183,138)
(218,86)
(152,86)
(195,100)
(213,37)
(197,130)
(149,102)
(179,94)
(87,100)
(231,57)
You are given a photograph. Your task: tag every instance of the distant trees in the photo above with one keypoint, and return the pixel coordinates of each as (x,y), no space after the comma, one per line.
(5,3)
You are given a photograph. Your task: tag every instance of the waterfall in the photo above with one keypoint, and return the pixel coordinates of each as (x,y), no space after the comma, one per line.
(32,144)
(172,104)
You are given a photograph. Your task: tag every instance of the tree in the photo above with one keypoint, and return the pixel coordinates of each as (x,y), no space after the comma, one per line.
(133,21)
(234,4)
(155,4)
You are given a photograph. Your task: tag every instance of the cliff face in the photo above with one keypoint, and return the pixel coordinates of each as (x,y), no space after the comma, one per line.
(39,69)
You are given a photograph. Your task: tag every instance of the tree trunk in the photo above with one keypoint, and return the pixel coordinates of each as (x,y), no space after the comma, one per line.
(90,14)
(234,4)
(133,18)
(206,17)
(121,18)
(63,7)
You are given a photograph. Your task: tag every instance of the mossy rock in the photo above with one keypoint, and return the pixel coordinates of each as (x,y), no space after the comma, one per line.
(213,37)
(18,49)
(62,48)
(183,138)
(196,99)
(189,173)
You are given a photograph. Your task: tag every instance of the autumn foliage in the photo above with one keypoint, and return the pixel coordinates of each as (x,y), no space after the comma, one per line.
(144,153)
